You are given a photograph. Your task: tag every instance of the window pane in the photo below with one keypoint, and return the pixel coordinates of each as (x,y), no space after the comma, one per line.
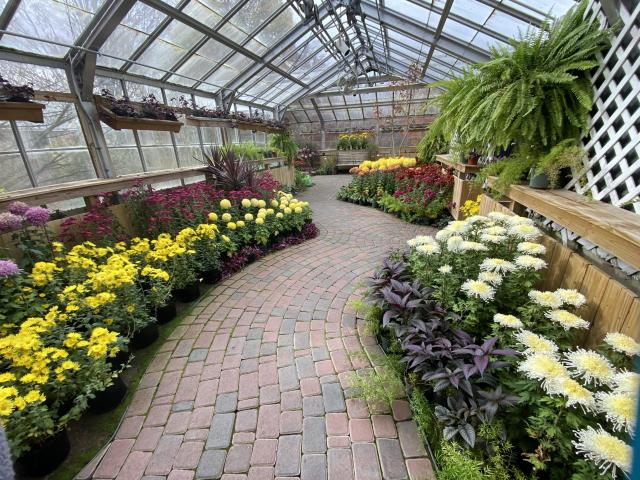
(41,78)
(14,174)
(125,160)
(61,129)
(159,158)
(52,167)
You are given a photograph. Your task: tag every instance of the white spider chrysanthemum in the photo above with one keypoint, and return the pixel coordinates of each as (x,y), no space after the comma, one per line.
(536,344)
(573,391)
(486,237)
(619,409)
(422,239)
(571,297)
(590,366)
(473,247)
(509,321)
(528,261)
(626,382)
(444,234)
(546,299)
(524,231)
(428,248)
(475,219)
(478,289)
(543,368)
(605,450)
(412,242)
(497,230)
(458,226)
(622,343)
(566,320)
(445,269)
(492,278)
(454,244)
(503,217)
(531,248)
(497,265)
(516,220)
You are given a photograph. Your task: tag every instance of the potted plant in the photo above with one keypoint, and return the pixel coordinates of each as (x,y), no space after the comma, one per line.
(16,103)
(150,114)
(553,170)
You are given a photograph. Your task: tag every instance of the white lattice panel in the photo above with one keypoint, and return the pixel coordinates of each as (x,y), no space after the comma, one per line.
(613,144)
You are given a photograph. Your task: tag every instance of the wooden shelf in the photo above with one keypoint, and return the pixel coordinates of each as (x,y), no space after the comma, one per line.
(133,123)
(87,188)
(24,111)
(611,228)
(447,160)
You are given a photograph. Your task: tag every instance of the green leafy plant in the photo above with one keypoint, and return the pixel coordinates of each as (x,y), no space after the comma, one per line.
(429,146)
(285,143)
(567,154)
(379,387)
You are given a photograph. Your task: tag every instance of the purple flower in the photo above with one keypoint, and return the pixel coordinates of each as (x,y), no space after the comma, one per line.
(37,216)
(8,268)
(9,222)
(18,208)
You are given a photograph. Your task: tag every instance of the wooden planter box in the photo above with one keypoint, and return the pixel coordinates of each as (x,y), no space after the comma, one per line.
(351,158)
(130,123)
(258,127)
(25,111)
(207,122)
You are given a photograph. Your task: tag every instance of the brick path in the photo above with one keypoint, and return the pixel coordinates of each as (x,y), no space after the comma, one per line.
(254,384)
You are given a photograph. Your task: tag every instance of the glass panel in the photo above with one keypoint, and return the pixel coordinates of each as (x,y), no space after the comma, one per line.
(61,129)
(410,9)
(40,78)
(507,25)
(188,144)
(14,173)
(51,20)
(278,27)
(458,30)
(484,41)
(59,166)
(159,157)
(111,84)
(341,114)
(355,113)
(473,10)
(125,160)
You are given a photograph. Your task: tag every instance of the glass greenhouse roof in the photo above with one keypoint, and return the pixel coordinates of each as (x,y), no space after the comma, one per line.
(264,53)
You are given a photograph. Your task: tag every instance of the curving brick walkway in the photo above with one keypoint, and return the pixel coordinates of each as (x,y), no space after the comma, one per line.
(252,385)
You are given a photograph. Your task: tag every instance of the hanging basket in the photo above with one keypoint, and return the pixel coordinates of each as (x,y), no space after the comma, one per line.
(46,456)
(24,111)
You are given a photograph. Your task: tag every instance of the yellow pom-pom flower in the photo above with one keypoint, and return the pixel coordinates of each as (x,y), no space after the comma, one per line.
(224,204)
(226,217)
(246,203)
(231,226)
(213,217)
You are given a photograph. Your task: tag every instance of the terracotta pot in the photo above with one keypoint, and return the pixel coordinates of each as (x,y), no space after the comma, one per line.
(46,456)
(472,160)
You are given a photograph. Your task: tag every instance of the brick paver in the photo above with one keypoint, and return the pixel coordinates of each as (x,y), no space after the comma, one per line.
(255,381)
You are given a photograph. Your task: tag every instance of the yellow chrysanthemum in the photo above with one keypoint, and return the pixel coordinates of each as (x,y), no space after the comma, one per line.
(225,204)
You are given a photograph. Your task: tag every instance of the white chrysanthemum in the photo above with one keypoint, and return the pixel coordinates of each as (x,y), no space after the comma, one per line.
(619,408)
(571,297)
(497,230)
(524,231)
(531,248)
(536,344)
(546,299)
(605,450)
(497,265)
(412,242)
(573,391)
(445,269)
(509,321)
(566,320)
(423,239)
(428,248)
(454,244)
(458,226)
(473,247)
(626,382)
(478,289)
(444,234)
(492,278)
(622,343)
(475,219)
(499,216)
(517,220)
(590,366)
(486,237)
(528,261)
(543,368)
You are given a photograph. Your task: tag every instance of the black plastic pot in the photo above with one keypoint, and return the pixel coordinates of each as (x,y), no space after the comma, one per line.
(145,336)
(119,360)
(211,276)
(166,313)
(46,456)
(539,181)
(188,294)
(251,258)
(109,398)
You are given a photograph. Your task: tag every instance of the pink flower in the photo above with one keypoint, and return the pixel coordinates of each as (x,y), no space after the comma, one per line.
(18,208)
(9,222)
(37,216)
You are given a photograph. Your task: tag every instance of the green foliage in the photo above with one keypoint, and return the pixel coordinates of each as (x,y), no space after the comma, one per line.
(567,154)
(380,386)
(535,94)
(508,171)
(327,166)
(302,180)
(458,464)
(428,427)
(249,151)
(284,142)
(430,145)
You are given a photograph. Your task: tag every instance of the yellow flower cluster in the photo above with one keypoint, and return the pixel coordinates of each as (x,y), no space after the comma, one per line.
(43,273)
(387,163)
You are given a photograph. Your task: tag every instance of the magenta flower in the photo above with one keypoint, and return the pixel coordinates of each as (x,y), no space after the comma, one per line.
(37,216)
(8,268)
(18,208)
(9,222)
